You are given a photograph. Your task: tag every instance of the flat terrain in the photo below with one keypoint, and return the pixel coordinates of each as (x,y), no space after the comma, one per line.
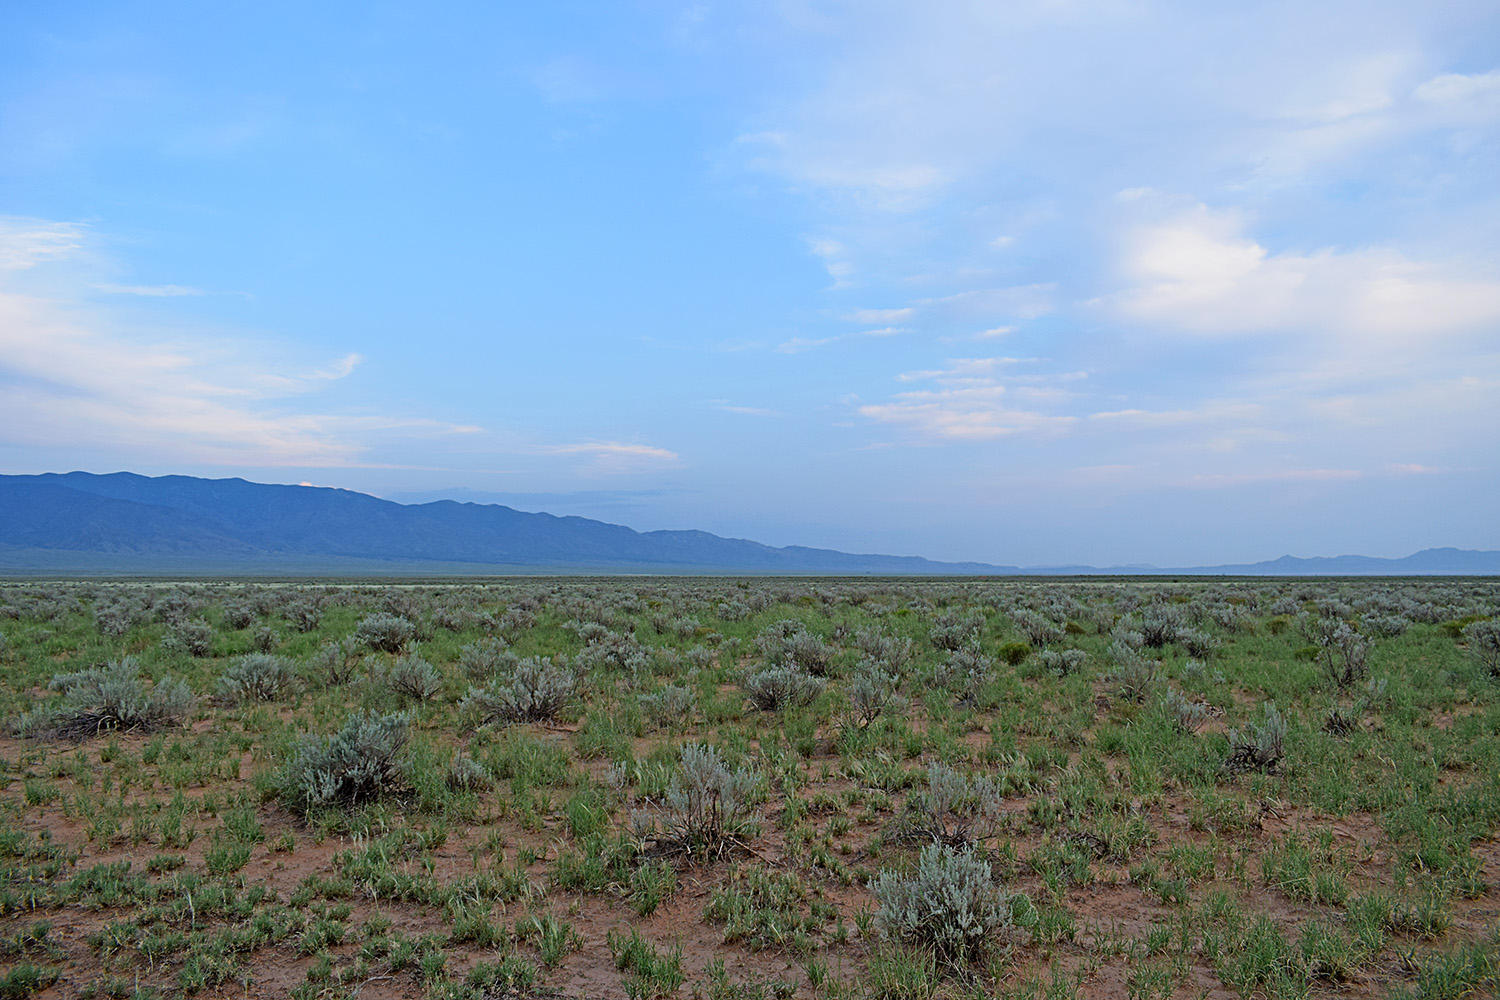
(744,789)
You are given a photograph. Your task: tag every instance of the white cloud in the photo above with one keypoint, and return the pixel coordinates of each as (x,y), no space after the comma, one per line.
(962,414)
(1208,413)
(880,315)
(612,448)
(25,243)
(1199,272)
(75,377)
(150,291)
(972,403)
(835,259)
(1458,88)
(614,457)
(745,411)
(1229,479)
(796,345)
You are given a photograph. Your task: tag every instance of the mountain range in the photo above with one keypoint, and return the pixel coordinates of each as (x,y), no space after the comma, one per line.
(128,524)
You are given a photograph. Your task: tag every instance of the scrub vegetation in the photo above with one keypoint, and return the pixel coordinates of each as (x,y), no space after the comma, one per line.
(741,789)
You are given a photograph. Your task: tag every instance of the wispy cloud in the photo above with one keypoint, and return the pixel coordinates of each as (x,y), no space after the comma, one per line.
(1229,479)
(971,402)
(796,345)
(77,377)
(150,291)
(614,457)
(745,411)
(835,258)
(886,316)
(25,243)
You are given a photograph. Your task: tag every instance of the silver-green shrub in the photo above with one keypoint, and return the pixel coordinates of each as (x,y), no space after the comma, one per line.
(386,632)
(195,637)
(789,642)
(486,658)
(708,802)
(1342,652)
(956,809)
(1061,661)
(1133,675)
(1261,746)
(672,705)
(465,774)
(106,699)
(780,687)
(956,631)
(949,904)
(1039,631)
(1197,643)
(533,691)
(363,761)
(413,677)
(335,661)
(1483,639)
(255,677)
(1186,716)
(870,690)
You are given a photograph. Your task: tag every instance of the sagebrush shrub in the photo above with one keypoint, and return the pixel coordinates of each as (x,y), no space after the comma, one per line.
(781,687)
(956,631)
(883,648)
(1186,716)
(238,615)
(1160,625)
(362,762)
(1385,626)
(335,661)
(708,802)
(1483,640)
(465,774)
(413,677)
(1342,652)
(956,809)
(870,691)
(1133,675)
(113,623)
(1061,661)
(1197,643)
(264,639)
(535,690)
(963,671)
(386,632)
(1260,747)
(107,699)
(1039,631)
(486,658)
(789,642)
(949,904)
(672,705)
(255,677)
(305,615)
(194,637)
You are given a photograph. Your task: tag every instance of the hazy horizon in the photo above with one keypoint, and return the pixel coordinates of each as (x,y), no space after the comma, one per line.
(1097,283)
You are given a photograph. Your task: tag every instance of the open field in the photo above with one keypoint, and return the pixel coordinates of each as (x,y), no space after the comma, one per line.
(656,788)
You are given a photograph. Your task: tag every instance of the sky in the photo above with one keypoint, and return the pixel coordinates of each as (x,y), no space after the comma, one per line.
(1035,282)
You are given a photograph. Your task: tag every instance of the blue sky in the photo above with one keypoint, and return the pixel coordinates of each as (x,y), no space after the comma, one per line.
(1029,283)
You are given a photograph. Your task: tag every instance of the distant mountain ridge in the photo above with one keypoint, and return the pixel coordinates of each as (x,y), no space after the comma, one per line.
(123,523)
